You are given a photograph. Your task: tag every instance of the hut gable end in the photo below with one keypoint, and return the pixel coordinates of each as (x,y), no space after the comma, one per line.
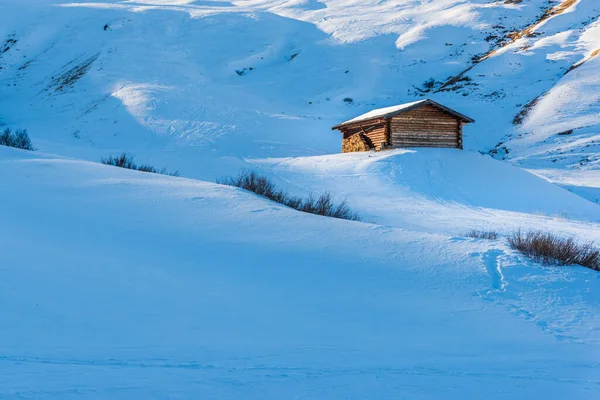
(425,126)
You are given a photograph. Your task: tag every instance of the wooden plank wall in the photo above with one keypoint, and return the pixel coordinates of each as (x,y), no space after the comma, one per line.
(425,126)
(374,133)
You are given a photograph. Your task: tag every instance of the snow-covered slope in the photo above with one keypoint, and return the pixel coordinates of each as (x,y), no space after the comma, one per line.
(438,190)
(121,284)
(192,84)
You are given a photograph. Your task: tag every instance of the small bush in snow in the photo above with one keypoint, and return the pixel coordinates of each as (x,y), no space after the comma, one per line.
(263,186)
(122,161)
(125,161)
(18,139)
(482,234)
(555,250)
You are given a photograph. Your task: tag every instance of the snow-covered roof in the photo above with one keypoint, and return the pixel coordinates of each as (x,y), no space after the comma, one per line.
(388,112)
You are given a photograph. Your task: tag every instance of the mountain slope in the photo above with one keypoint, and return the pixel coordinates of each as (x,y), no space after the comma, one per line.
(121,284)
(206,80)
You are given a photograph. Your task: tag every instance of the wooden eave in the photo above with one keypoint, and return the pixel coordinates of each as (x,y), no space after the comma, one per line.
(361,124)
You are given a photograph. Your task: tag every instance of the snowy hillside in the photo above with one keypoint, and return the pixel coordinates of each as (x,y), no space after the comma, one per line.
(438,191)
(123,284)
(186,83)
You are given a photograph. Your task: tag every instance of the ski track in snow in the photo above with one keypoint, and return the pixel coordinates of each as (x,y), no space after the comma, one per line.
(492,263)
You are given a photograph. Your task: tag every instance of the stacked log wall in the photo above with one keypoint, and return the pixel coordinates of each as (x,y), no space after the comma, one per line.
(426,126)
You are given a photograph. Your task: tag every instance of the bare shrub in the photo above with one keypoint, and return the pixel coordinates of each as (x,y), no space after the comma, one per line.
(122,161)
(125,161)
(18,139)
(263,186)
(550,249)
(483,234)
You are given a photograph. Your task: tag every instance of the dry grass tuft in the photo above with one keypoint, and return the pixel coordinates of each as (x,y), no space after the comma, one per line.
(482,234)
(263,186)
(125,161)
(550,249)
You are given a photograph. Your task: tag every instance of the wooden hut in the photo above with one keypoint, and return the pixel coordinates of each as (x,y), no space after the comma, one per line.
(423,123)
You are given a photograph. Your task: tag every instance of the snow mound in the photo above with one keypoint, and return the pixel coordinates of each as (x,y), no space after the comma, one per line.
(439,190)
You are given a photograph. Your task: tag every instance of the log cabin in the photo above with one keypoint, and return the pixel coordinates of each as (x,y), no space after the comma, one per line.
(423,123)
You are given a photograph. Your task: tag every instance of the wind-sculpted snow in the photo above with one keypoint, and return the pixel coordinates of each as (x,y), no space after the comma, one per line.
(440,190)
(122,284)
(269,76)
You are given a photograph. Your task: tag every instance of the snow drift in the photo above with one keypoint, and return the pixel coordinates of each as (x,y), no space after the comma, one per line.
(123,284)
(118,283)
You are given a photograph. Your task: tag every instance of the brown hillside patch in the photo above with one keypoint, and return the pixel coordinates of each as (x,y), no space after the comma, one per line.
(578,64)
(69,78)
(549,13)
(520,117)
(513,37)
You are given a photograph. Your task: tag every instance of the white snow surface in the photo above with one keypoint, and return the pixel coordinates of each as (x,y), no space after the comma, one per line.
(128,285)
(383,111)
(175,81)
(122,284)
